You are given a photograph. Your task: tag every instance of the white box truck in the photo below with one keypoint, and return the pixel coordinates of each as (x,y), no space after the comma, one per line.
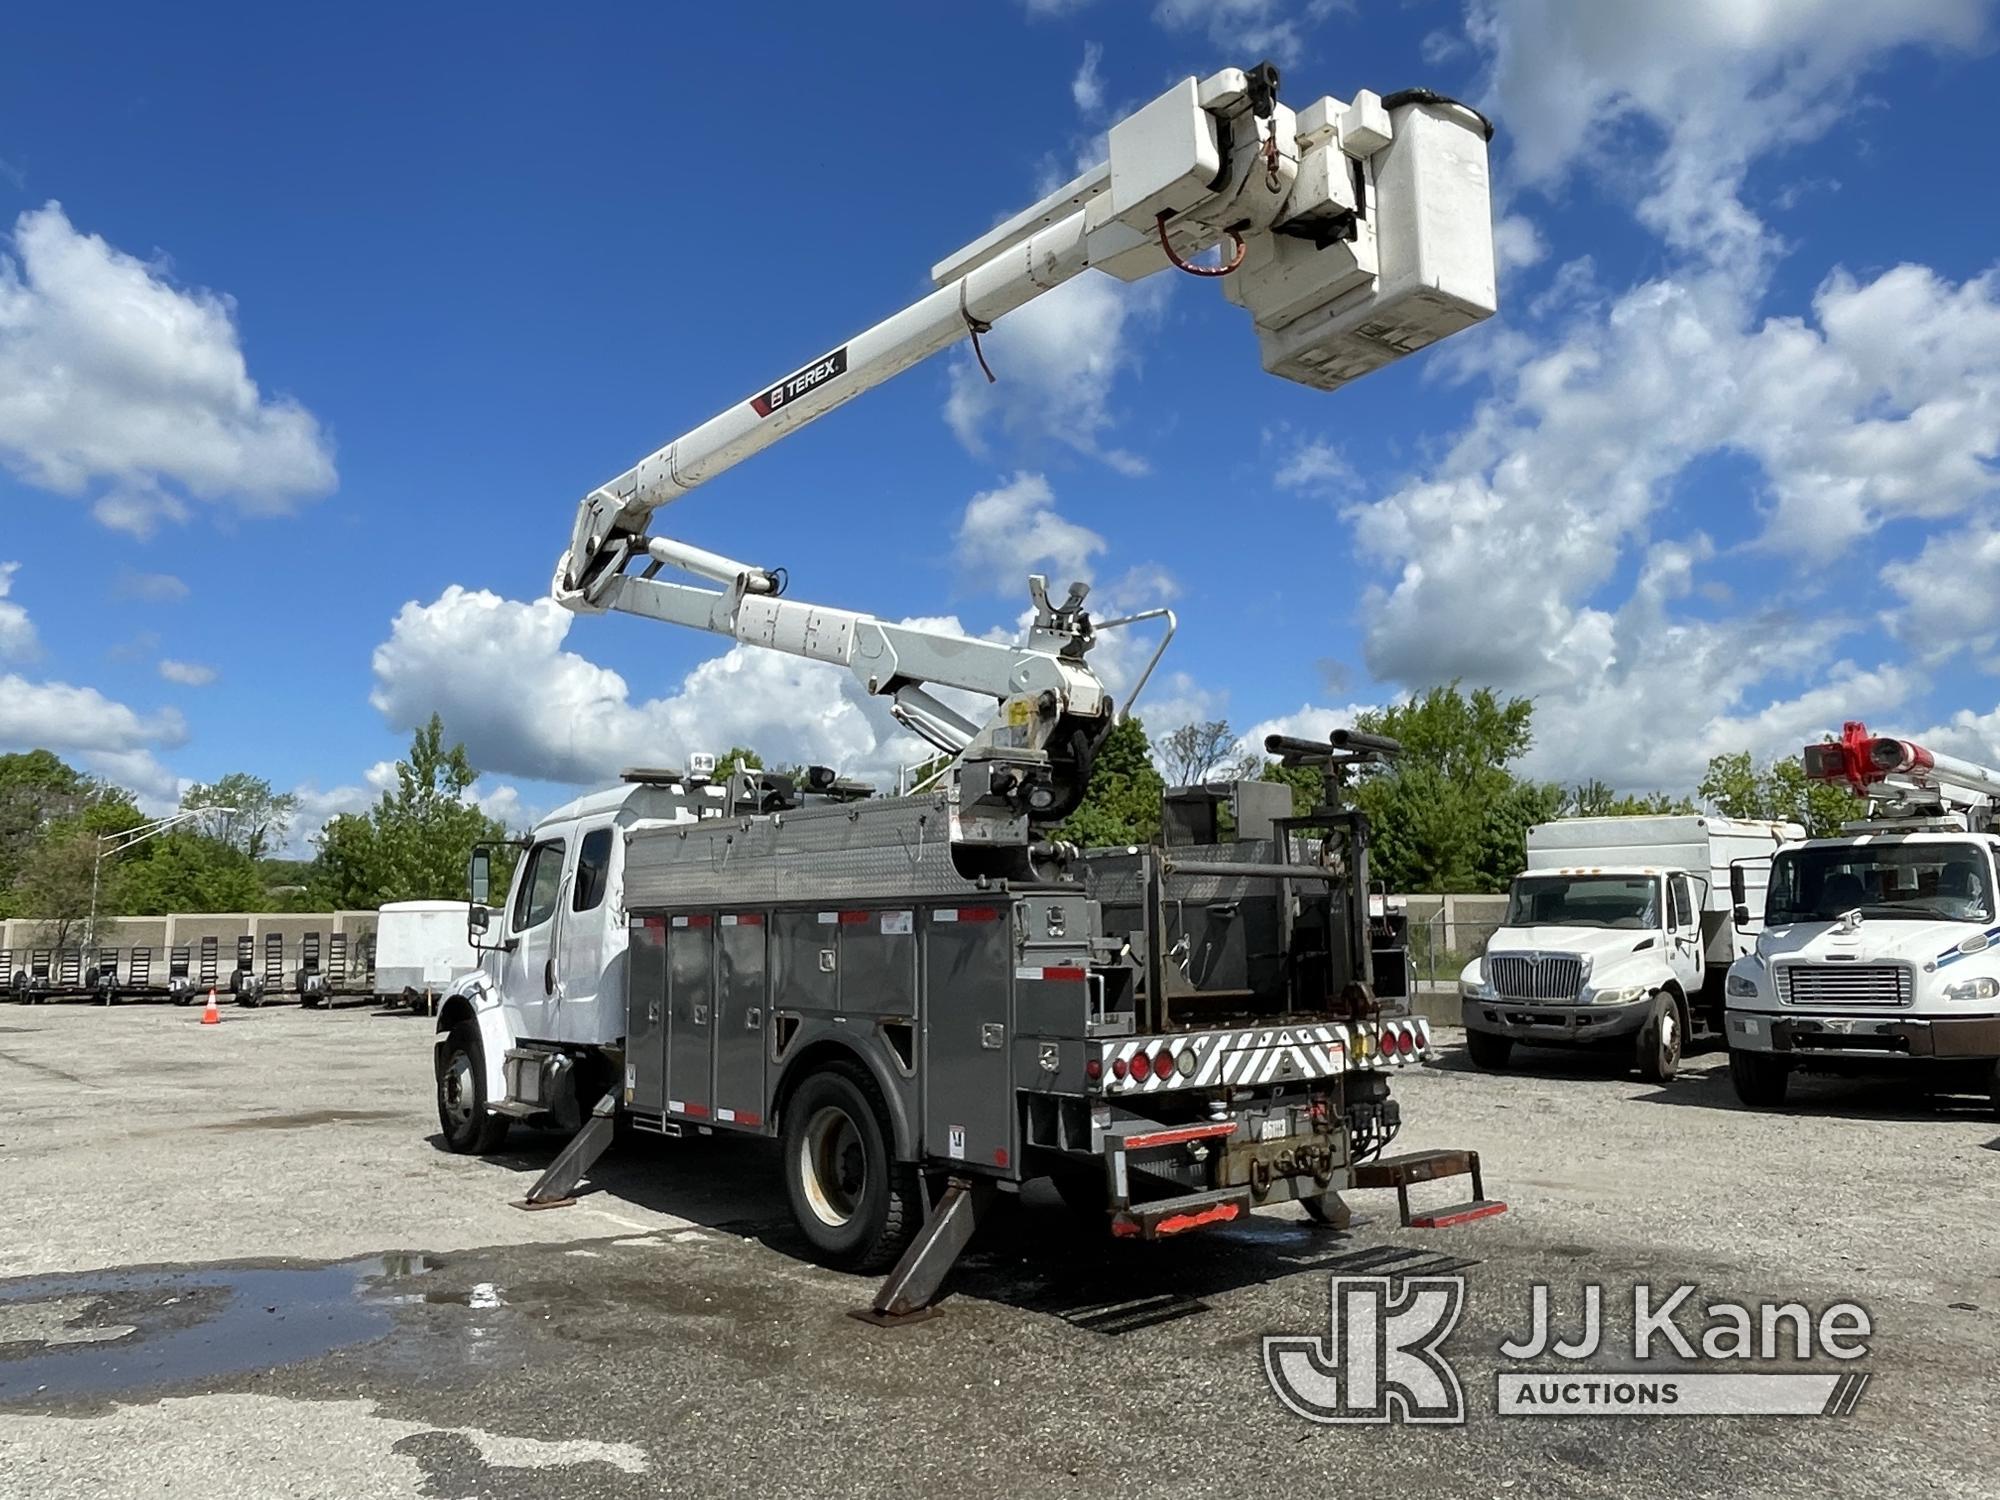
(1618,935)
(421,949)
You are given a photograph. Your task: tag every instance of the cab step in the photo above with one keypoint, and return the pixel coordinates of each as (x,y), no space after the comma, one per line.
(1399,1172)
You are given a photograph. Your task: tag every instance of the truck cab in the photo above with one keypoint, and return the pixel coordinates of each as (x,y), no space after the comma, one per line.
(1878,955)
(522,1035)
(1616,936)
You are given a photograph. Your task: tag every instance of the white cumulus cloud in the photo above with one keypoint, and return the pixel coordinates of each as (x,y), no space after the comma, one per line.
(186,673)
(17,631)
(113,376)
(498,671)
(1014,530)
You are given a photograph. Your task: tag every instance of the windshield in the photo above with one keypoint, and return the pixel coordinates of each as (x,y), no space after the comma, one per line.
(1910,881)
(1629,901)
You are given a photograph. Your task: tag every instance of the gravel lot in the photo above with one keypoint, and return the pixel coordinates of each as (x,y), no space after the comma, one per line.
(234,1263)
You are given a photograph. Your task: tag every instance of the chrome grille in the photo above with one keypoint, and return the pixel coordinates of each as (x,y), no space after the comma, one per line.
(1535,976)
(1845,984)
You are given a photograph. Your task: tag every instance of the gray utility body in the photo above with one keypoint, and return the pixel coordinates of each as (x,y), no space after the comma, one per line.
(999,1020)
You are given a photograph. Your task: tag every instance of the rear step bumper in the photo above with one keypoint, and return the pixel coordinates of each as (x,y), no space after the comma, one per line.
(1400,1172)
(1171,1216)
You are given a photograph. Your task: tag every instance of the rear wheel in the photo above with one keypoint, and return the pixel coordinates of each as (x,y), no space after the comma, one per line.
(1489,1051)
(857,1207)
(1760,1078)
(1993,1088)
(1658,1050)
(468,1127)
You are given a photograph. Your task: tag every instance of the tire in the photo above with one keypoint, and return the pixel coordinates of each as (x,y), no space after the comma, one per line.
(1760,1079)
(1488,1050)
(857,1207)
(1993,1089)
(1657,1051)
(1085,1193)
(468,1128)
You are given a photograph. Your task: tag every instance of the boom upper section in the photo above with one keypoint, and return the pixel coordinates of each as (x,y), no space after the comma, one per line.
(1352,233)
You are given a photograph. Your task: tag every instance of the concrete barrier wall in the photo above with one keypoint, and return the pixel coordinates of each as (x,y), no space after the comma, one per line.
(21,937)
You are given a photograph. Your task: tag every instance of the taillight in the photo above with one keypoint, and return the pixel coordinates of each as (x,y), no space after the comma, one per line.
(1413,1043)
(1093,1069)
(1186,1062)
(1142,1066)
(1118,1068)
(1163,1065)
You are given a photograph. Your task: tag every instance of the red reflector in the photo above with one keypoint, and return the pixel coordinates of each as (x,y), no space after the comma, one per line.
(1075,976)
(699,921)
(1406,1042)
(1118,1068)
(1093,1069)
(850,918)
(1142,1066)
(750,919)
(979,914)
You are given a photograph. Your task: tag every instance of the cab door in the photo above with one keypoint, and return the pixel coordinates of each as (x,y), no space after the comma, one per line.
(581,937)
(1685,953)
(528,970)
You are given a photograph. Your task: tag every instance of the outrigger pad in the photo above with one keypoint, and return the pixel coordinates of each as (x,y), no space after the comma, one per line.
(906,1296)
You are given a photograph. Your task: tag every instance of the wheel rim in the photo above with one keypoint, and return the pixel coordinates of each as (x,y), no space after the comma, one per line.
(833,1167)
(456,1089)
(1670,1036)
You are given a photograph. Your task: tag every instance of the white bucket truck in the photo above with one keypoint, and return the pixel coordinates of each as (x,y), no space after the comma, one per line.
(1879,946)
(1617,935)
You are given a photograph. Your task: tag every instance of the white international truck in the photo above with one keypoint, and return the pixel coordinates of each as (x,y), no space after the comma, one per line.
(1880,948)
(1617,935)
(930,999)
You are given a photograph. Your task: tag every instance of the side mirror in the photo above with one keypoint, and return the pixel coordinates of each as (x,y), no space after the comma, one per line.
(1741,915)
(481,877)
(1738,894)
(478,919)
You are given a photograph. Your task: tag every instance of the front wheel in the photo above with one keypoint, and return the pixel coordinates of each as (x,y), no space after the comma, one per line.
(469,1128)
(1488,1050)
(857,1207)
(1658,1050)
(1760,1078)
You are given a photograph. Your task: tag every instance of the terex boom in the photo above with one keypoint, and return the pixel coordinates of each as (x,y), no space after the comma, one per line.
(934,997)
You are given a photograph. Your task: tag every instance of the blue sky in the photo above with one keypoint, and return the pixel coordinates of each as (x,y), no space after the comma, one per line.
(340,314)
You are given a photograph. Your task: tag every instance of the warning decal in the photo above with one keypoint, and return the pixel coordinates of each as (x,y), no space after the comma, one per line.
(796,385)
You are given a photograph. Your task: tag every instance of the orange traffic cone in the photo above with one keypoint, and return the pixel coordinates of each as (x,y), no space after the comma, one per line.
(211,1016)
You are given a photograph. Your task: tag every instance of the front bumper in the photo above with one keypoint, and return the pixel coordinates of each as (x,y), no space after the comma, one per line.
(1821,1035)
(1539,1024)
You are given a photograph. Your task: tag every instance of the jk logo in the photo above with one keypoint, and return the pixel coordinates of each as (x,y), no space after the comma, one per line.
(1379,1361)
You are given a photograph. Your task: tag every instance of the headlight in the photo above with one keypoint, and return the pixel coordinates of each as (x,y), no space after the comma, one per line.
(1742,985)
(1472,983)
(1624,995)
(1981,988)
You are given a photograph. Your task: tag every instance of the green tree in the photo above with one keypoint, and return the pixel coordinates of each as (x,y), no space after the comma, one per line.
(415,842)
(1449,814)
(184,871)
(261,817)
(1738,788)
(1121,805)
(1595,799)
(39,792)
(52,887)
(1195,752)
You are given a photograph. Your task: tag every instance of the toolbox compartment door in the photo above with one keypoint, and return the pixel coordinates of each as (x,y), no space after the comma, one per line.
(646,1017)
(690,1015)
(968,1095)
(741,1020)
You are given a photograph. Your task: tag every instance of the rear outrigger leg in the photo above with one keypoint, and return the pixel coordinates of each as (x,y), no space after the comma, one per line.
(905,1297)
(1399,1172)
(554,1187)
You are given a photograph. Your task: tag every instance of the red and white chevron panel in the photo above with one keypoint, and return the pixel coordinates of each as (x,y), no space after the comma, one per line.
(1257,1057)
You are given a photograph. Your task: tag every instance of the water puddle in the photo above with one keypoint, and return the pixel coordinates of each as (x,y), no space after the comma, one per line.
(105,1332)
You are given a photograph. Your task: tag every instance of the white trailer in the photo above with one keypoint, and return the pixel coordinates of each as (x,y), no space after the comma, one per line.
(1618,934)
(422,948)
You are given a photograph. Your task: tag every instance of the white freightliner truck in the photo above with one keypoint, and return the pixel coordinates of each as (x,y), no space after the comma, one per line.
(1881,947)
(1617,935)
(931,998)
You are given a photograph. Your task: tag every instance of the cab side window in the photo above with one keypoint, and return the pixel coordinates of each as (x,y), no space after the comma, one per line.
(593,870)
(541,883)
(1680,907)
